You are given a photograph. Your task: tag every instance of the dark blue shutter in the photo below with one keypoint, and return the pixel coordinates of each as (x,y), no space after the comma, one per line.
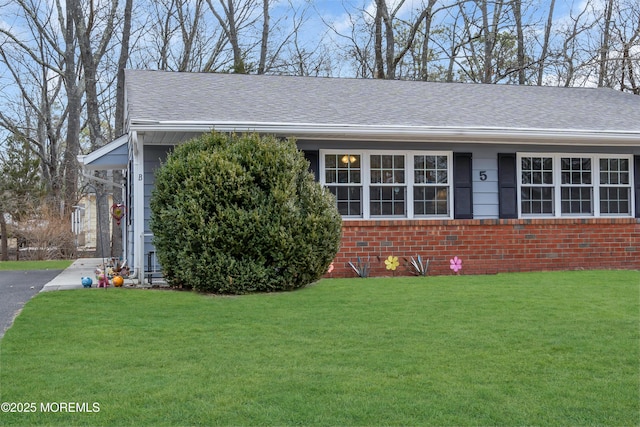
(507,185)
(314,163)
(636,178)
(462,186)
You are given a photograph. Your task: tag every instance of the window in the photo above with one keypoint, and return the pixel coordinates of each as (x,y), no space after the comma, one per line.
(576,187)
(537,185)
(379,184)
(387,190)
(615,186)
(567,185)
(430,190)
(343,174)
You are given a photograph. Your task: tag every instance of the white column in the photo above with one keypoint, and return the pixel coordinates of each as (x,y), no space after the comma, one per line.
(138,204)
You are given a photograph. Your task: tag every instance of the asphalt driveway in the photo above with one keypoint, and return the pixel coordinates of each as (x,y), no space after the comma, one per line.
(16,288)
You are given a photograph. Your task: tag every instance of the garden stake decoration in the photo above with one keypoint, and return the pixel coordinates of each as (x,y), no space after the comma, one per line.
(456,264)
(392,263)
(117,212)
(361,268)
(417,266)
(330,269)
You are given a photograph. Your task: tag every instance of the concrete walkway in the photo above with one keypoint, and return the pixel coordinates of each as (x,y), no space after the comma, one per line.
(71,278)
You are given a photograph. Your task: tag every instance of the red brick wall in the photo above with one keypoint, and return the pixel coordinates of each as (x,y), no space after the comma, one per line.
(492,246)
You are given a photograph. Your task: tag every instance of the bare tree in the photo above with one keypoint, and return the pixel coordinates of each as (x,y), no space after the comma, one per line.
(355,41)
(424,56)
(123,58)
(379,40)
(620,67)
(604,48)
(234,16)
(42,65)
(448,41)
(545,43)
(575,56)
(628,34)
(91,56)
(296,54)
(264,43)
(517,13)
(387,64)
(177,36)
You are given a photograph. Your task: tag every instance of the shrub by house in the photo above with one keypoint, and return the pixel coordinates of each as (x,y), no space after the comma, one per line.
(241,213)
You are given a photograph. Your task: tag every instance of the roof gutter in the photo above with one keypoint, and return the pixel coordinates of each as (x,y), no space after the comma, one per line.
(403,133)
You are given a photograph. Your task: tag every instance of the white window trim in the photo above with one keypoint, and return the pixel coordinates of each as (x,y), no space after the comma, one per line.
(557,184)
(365,178)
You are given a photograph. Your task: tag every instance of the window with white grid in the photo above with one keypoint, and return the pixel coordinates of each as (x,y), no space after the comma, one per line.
(387,192)
(430,185)
(377,184)
(537,185)
(615,186)
(575,185)
(343,177)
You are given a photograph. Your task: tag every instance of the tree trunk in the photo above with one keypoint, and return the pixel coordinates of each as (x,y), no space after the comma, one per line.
(488,44)
(116,232)
(424,54)
(89,64)
(390,41)
(545,44)
(379,61)
(517,12)
(4,247)
(265,37)
(238,61)
(604,49)
(74,108)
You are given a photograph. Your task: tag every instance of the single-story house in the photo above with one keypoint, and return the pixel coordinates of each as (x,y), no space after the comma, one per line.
(507,178)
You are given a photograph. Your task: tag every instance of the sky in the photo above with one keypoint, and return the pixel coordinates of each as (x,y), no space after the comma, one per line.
(335,12)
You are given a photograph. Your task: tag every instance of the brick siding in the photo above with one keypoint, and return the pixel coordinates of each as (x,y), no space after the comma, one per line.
(491,246)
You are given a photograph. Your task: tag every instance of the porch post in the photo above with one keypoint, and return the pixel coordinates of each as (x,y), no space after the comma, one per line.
(138,204)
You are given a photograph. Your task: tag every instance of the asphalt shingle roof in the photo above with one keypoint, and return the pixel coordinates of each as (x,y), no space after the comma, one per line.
(200,97)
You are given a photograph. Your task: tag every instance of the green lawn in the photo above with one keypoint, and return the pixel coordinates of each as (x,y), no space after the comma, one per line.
(35,265)
(546,349)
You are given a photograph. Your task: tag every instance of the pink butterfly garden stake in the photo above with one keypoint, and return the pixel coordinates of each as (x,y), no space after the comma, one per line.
(456,264)
(330,269)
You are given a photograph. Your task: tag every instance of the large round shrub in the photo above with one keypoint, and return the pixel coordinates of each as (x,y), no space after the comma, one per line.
(241,213)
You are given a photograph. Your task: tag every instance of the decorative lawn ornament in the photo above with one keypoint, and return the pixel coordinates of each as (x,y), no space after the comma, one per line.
(87,282)
(360,267)
(418,267)
(330,269)
(117,281)
(456,264)
(117,212)
(103,280)
(392,263)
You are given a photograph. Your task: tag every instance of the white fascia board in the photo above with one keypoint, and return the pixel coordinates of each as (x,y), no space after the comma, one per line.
(85,160)
(405,133)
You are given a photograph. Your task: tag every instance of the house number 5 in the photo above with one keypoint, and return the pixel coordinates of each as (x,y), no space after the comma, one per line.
(483,175)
